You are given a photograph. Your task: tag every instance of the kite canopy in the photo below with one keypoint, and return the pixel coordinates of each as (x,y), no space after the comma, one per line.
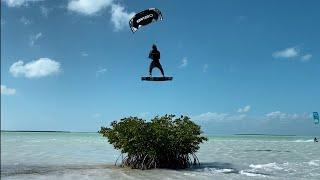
(144,18)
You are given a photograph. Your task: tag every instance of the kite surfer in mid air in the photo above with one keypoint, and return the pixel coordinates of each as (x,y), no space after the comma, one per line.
(155,56)
(144,18)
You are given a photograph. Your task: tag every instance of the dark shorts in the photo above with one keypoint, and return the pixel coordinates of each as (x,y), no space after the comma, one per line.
(155,63)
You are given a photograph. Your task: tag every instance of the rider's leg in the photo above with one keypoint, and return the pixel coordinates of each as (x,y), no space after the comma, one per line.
(150,68)
(160,67)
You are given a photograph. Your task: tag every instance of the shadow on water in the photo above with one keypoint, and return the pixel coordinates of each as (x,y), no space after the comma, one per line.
(11,170)
(264,150)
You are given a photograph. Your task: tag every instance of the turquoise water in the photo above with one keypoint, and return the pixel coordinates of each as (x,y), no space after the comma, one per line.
(89,156)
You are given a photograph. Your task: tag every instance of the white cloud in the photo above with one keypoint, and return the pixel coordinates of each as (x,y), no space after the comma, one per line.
(34,38)
(25,20)
(275,122)
(278,115)
(286,53)
(244,109)
(35,69)
(17,3)
(217,117)
(272,117)
(44,11)
(306,57)
(84,54)
(184,62)
(88,7)
(205,67)
(119,17)
(210,116)
(7,91)
(101,71)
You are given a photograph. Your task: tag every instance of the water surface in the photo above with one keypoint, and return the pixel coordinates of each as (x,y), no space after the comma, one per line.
(39,155)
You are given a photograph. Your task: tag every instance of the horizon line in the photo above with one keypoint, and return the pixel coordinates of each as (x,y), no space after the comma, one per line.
(237,134)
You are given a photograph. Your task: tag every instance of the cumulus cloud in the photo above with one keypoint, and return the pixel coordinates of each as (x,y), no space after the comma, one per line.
(101,71)
(120,17)
(88,7)
(18,3)
(306,57)
(244,109)
(184,62)
(25,20)
(217,117)
(226,117)
(276,122)
(7,91)
(286,53)
(276,115)
(35,69)
(210,116)
(284,116)
(34,38)
(292,52)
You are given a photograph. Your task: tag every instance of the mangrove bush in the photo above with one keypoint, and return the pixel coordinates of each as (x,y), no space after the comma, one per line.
(164,142)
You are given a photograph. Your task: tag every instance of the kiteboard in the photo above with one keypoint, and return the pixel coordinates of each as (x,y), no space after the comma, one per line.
(156,78)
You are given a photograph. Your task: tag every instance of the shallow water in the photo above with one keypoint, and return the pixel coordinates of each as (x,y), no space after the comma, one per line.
(89,156)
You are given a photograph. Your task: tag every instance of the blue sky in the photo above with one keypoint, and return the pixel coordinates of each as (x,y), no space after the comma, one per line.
(238,66)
